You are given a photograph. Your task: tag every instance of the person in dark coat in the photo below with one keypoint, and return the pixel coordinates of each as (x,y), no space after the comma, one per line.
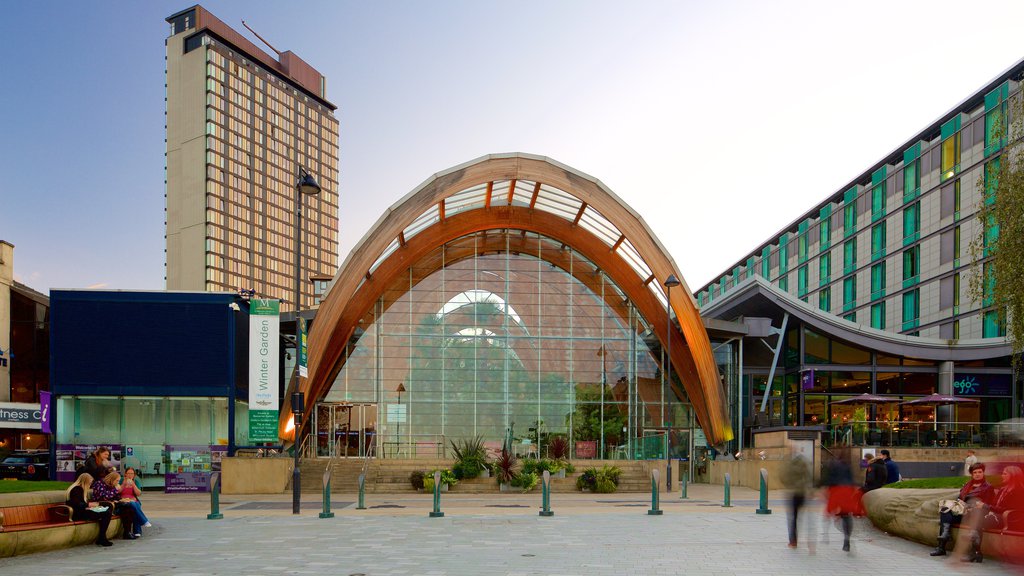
(796,475)
(843,496)
(78,499)
(98,463)
(892,470)
(977,492)
(875,476)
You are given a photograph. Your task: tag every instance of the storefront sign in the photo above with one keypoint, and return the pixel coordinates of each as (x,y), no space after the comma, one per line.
(20,415)
(264,335)
(981,384)
(45,409)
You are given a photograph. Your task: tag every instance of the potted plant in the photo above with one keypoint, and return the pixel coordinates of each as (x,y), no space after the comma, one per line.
(603,480)
(447,479)
(505,468)
(470,458)
(558,449)
(525,480)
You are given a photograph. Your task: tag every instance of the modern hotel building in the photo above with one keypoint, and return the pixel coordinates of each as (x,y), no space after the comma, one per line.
(240,126)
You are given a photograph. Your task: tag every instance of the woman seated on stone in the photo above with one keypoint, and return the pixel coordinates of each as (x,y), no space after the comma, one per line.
(976,493)
(130,493)
(110,490)
(82,509)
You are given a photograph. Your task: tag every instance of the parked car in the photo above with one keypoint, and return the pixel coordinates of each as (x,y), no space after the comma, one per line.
(26,466)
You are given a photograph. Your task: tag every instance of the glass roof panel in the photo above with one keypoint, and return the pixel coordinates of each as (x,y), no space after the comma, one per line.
(597,224)
(558,203)
(468,199)
(387,252)
(428,218)
(524,193)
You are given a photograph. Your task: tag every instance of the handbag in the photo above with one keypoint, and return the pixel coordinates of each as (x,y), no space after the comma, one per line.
(956,507)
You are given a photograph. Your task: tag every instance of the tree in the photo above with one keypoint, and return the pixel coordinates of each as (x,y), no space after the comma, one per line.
(998,250)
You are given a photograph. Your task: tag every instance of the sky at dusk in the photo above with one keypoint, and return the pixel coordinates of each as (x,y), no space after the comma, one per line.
(718,122)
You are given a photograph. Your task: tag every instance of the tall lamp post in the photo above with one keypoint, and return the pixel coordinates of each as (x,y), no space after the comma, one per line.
(305,184)
(399,416)
(298,403)
(670,283)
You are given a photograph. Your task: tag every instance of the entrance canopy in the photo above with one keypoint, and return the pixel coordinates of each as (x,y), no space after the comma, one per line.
(526,194)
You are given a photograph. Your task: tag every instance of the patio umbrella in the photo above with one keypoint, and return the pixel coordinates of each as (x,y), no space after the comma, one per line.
(866,398)
(937,400)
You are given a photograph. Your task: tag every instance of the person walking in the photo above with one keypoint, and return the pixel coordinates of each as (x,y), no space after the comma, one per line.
(796,476)
(844,497)
(971,460)
(892,470)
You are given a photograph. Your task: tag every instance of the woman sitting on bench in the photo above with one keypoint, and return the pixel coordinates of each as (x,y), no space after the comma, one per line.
(110,490)
(83,509)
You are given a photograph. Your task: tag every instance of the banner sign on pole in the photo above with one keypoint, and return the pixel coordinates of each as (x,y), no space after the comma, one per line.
(264,352)
(302,347)
(45,409)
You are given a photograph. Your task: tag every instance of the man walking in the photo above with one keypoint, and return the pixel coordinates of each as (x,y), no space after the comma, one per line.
(892,470)
(875,475)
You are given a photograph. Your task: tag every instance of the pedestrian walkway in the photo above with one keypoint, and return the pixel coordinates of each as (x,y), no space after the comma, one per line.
(491,535)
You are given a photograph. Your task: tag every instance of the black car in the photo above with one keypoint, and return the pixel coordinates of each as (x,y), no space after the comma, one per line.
(34,466)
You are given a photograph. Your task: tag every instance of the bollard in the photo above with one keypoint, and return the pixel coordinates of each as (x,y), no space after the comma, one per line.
(654,511)
(362,492)
(214,497)
(546,494)
(683,478)
(437,497)
(327,495)
(763,505)
(728,500)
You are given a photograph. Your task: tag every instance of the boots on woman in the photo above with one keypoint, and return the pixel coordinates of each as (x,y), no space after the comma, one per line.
(974,554)
(944,533)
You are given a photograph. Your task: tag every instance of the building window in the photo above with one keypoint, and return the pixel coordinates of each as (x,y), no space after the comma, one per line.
(850,255)
(825,299)
(878,315)
(878,241)
(911,266)
(950,162)
(911,180)
(849,293)
(801,281)
(852,317)
(911,309)
(766,262)
(878,280)
(850,219)
(825,269)
(992,325)
(995,119)
(991,180)
(784,283)
(878,201)
(825,232)
(912,223)
(783,255)
(801,247)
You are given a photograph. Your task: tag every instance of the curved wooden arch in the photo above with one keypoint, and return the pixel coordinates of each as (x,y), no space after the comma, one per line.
(353,289)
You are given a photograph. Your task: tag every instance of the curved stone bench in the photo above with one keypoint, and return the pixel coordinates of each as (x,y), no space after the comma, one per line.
(913,514)
(52,532)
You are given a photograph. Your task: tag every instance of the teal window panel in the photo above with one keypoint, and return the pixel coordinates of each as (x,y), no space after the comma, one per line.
(825,233)
(878,241)
(803,226)
(723,284)
(852,317)
(750,267)
(825,211)
(849,293)
(736,272)
(995,119)
(911,223)
(878,176)
(766,262)
(911,180)
(850,255)
(825,269)
(825,300)
(878,202)
(850,196)
(849,220)
(992,325)
(784,283)
(878,316)
(911,266)
(911,309)
(950,127)
(783,253)
(801,248)
(801,281)
(878,281)
(912,153)
(992,179)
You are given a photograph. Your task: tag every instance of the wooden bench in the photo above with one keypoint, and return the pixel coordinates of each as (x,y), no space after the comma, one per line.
(36,527)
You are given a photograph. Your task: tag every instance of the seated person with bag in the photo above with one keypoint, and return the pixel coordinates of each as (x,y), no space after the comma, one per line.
(83,509)
(975,493)
(110,490)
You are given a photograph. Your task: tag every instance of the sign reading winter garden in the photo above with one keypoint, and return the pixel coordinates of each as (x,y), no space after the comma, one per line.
(264,345)
(302,348)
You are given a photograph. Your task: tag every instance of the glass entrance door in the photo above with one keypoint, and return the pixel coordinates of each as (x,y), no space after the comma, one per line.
(344,429)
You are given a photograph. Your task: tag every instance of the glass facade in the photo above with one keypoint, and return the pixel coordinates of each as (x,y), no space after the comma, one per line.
(504,333)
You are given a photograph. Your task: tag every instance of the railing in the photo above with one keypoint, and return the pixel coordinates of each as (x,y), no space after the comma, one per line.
(415,446)
(926,433)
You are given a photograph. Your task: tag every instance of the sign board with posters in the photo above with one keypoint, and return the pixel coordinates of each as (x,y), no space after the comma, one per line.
(71,456)
(189,467)
(264,352)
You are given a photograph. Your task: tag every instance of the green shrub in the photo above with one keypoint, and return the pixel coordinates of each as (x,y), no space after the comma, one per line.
(605,486)
(416,479)
(470,457)
(525,480)
(587,480)
(447,477)
(539,466)
(604,479)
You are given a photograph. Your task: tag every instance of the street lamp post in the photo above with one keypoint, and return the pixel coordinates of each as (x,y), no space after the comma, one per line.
(298,403)
(398,417)
(305,184)
(670,283)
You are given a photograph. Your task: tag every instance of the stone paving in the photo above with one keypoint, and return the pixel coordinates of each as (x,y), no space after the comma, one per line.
(492,535)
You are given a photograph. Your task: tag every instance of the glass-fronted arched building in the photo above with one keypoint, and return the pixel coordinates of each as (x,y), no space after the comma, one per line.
(511,298)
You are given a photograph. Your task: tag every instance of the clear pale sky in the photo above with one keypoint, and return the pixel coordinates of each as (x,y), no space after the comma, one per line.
(718,122)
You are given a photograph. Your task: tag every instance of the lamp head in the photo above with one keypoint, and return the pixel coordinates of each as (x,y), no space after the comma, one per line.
(672,281)
(307,184)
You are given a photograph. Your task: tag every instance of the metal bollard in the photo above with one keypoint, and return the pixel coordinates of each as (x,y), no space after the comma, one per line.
(654,511)
(362,492)
(214,497)
(763,504)
(437,497)
(728,500)
(683,478)
(546,494)
(327,495)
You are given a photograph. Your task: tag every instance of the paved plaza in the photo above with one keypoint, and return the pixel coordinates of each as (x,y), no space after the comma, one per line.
(492,535)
